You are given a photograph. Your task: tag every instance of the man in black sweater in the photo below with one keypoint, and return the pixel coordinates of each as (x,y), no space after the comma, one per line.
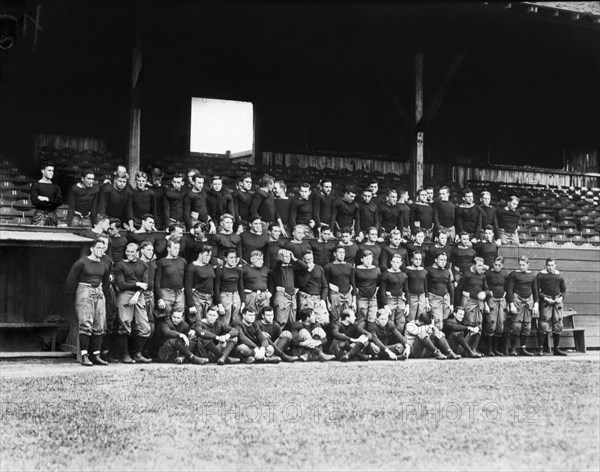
(522,297)
(115,200)
(508,222)
(350,339)
(82,201)
(175,336)
(253,345)
(46,197)
(551,287)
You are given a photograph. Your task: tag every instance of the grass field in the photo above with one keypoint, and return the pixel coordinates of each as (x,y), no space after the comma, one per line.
(497,414)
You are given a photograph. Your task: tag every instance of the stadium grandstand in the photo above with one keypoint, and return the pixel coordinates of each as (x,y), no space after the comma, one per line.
(500,97)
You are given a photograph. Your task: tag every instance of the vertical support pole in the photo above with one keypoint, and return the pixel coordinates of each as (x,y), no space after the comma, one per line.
(418,154)
(133,156)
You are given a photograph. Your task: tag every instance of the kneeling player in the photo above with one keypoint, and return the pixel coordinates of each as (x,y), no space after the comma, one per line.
(175,335)
(278,338)
(253,345)
(461,337)
(214,339)
(349,338)
(387,342)
(427,340)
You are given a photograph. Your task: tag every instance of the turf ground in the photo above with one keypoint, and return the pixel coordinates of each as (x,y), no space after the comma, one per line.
(489,414)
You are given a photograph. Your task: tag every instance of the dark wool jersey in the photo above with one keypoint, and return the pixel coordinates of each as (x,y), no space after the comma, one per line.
(368,216)
(128,273)
(253,242)
(87,271)
(387,252)
(422,213)
(298,249)
(115,203)
(283,275)
(343,332)
(433,251)
(273,248)
(169,274)
(82,200)
(313,282)
(195,202)
(151,274)
(228,279)
(143,201)
(487,251)
(393,284)
(272,329)
(251,336)
(263,206)
(390,217)
(200,278)
(385,335)
(551,285)
(488,217)
(496,282)
(462,258)
(256,279)
(139,238)
(301,211)
(508,220)
(322,251)
(343,214)
(444,214)
(351,251)
(404,221)
(173,205)
(208,332)
(242,201)
(295,329)
(166,329)
(411,248)
(471,282)
(322,208)
(417,280)
(366,281)
(452,325)
(340,275)
(374,248)
(190,247)
(159,194)
(282,206)
(117,247)
(219,203)
(440,282)
(43,189)
(223,242)
(523,284)
(467,219)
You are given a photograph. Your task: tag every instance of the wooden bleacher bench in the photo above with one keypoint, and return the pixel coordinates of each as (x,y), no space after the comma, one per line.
(35,326)
(570,331)
(569,327)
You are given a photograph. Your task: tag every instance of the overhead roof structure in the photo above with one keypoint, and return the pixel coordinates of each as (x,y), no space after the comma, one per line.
(503,82)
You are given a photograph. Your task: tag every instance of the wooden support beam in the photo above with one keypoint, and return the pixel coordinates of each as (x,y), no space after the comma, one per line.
(418,152)
(135,117)
(441,93)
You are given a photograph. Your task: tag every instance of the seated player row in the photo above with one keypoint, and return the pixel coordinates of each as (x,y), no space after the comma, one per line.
(187,203)
(147,292)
